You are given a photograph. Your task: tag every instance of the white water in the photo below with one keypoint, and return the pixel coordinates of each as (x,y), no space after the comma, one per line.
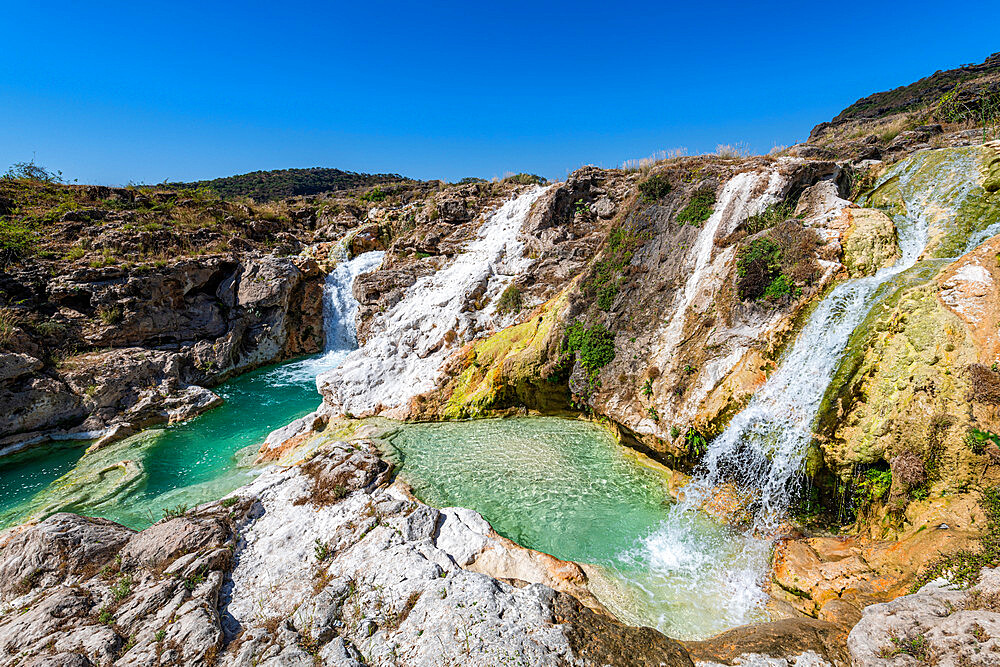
(402,358)
(340,310)
(736,203)
(762,452)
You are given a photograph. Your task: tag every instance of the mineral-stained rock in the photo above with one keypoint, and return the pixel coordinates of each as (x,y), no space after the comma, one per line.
(869,242)
(44,554)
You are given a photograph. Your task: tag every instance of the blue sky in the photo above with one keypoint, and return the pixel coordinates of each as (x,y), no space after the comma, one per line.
(117,92)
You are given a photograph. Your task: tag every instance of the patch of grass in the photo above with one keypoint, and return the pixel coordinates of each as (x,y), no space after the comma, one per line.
(769,217)
(510,300)
(653,414)
(122,588)
(110,316)
(526,179)
(175,512)
(74,253)
(322,550)
(18,241)
(159,636)
(654,188)
(699,209)
(917,647)
(8,325)
(105,616)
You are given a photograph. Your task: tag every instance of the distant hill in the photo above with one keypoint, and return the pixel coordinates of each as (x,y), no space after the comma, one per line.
(281,183)
(968,82)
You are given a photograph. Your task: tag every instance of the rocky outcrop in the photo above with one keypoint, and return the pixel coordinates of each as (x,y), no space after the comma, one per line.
(159,338)
(936,625)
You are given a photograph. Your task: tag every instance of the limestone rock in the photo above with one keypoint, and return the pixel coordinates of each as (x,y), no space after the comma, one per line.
(937,625)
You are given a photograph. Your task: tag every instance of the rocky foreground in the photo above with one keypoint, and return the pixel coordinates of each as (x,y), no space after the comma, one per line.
(331,563)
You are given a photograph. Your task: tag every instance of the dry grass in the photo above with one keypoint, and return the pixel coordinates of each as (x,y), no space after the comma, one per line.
(735,151)
(8,325)
(645,164)
(984,384)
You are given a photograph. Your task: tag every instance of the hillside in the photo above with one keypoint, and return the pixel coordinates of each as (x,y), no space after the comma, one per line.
(282,183)
(966,98)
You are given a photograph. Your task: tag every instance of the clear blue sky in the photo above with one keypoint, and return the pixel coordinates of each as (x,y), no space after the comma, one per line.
(113,92)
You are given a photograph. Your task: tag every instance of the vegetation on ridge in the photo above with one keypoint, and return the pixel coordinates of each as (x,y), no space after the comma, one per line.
(281,183)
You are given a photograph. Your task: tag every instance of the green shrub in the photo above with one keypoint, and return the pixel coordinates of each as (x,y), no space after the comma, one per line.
(17,241)
(29,171)
(654,188)
(699,209)
(374,195)
(653,414)
(510,300)
(758,272)
(596,345)
(75,253)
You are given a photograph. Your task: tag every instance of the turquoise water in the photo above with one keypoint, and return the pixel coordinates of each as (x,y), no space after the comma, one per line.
(24,474)
(567,488)
(134,480)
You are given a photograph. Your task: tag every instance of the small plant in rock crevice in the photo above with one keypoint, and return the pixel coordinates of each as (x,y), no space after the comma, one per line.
(918,648)
(654,188)
(696,442)
(511,300)
(699,209)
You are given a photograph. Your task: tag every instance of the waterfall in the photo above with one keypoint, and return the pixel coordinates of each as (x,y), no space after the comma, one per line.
(762,451)
(413,338)
(340,310)
(737,201)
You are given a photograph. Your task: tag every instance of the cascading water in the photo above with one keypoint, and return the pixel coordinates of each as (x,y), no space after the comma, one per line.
(761,454)
(413,337)
(743,195)
(340,310)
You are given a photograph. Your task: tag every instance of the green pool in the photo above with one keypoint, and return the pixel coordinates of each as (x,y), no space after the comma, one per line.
(567,488)
(134,480)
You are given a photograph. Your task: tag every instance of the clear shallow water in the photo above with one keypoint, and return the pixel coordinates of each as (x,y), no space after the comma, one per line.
(567,488)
